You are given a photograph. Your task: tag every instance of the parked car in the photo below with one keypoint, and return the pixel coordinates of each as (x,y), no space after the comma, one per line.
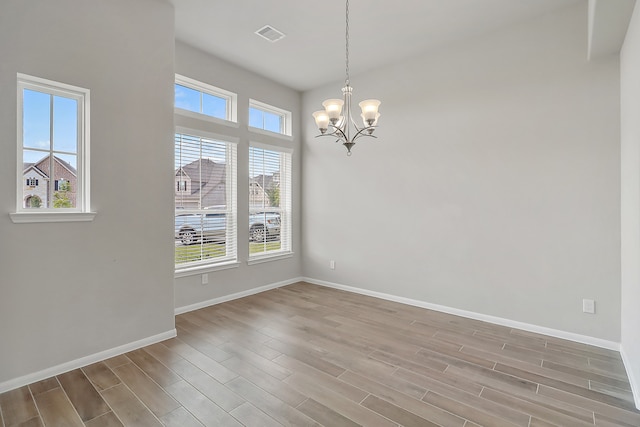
(262,226)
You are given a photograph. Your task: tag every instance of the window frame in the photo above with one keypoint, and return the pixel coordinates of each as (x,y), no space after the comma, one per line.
(230,97)
(286,116)
(285,210)
(83,204)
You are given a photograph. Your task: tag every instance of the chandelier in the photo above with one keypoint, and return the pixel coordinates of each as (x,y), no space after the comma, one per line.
(336,119)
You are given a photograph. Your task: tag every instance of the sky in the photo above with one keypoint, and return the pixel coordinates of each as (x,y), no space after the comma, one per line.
(37,130)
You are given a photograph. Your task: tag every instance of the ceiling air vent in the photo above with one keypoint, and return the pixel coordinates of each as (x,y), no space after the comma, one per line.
(269,33)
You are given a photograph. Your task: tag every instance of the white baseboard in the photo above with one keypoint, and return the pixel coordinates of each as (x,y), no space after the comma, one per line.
(225,298)
(84,361)
(598,342)
(634,381)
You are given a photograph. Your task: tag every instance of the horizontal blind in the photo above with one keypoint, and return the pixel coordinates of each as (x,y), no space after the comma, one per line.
(269,202)
(205,201)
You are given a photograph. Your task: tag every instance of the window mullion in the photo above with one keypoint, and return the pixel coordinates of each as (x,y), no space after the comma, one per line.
(50,191)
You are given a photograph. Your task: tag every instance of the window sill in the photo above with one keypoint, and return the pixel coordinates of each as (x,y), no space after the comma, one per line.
(269,133)
(201,269)
(268,258)
(33,217)
(204,117)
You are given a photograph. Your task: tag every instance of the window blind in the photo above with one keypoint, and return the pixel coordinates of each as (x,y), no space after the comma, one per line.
(205,201)
(269,201)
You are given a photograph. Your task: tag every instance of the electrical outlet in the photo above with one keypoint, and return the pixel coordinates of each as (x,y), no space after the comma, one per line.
(588,306)
(205,279)
(332,264)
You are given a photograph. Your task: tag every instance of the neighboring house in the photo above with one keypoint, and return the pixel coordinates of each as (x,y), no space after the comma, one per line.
(258,197)
(201,179)
(36,178)
(206,179)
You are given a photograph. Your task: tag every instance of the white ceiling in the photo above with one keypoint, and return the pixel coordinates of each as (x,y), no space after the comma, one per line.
(312,53)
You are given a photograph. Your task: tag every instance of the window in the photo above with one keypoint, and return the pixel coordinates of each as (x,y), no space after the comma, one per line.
(205,211)
(53,150)
(266,117)
(269,201)
(204,101)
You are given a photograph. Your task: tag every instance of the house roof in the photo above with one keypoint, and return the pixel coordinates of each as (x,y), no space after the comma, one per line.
(265,181)
(63,163)
(208,180)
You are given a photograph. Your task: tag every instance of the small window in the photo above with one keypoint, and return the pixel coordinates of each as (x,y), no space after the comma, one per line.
(269,201)
(202,100)
(53,146)
(266,117)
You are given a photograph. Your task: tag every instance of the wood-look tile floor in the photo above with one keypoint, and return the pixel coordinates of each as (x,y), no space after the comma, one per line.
(305,355)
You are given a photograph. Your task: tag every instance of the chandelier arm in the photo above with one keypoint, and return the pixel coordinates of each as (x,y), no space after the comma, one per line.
(339,132)
(360,133)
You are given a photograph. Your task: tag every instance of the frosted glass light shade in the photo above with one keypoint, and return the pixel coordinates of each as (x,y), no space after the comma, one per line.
(373,123)
(333,107)
(369,109)
(322,119)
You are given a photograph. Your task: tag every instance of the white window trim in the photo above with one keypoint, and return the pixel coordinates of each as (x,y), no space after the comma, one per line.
(267,258)
(283,253)
(33,217)
(82,211)
(271,134)
(201,269)
(231,97)
(286,119)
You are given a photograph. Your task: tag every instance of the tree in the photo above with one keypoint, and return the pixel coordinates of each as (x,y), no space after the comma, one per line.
(35,202)
(274,196)
(60,197)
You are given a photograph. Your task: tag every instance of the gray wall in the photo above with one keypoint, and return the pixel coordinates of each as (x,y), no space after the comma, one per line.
(630,156)
(195,64)
(493,186)
(69,290)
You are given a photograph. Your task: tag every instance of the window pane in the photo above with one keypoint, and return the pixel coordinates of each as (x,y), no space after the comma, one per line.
(187,98)
(65,124)
(199,237)
(201,185)
(214,106)
(30,157)
(272,122)
(66,174)
(256,118)
(36,119)
(265,202)
(34,179)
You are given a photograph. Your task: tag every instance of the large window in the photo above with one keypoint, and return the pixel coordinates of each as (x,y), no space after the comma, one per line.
(269,201)
(53,148)
(205,201)
(266,117)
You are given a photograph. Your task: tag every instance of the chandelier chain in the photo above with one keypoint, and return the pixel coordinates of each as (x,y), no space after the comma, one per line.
(347,45)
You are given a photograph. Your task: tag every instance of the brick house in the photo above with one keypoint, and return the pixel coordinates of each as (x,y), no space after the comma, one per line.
(36,180)
(201,180)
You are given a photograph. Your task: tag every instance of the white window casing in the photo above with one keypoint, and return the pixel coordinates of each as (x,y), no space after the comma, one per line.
(53,205)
